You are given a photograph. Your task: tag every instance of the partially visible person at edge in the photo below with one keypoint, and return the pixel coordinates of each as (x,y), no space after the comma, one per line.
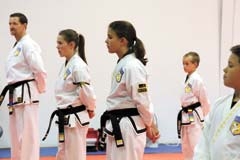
(26,78)
(1,131)
(75,97)
(195,105)
(129,113)
(221,133)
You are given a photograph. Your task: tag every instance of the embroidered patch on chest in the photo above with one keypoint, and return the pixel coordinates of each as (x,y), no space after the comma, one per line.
(235,126)
(66,74)
(119,75)
(188,88)
(17,51)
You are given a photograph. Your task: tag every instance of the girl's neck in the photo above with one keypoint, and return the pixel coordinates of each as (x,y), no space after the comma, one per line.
(70,55)
(122,52)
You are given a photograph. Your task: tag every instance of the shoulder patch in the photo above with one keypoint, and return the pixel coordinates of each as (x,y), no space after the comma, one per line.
(142,88)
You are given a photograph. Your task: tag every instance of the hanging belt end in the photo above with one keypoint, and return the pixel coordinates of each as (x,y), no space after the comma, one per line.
(61,137)
(119,142)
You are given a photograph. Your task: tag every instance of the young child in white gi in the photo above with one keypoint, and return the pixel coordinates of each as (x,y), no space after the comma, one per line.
(195,106)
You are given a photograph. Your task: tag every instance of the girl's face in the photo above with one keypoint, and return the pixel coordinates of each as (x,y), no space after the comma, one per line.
(232,72)
(64,48)
(113,42)
(188,66)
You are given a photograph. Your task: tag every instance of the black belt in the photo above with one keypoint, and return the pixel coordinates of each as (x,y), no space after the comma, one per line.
(185,109)
(115,117)
(61,113)
(11,88)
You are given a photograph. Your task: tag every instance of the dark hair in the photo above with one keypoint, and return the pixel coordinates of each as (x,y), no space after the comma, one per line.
(70,35)
(194,55)
(236,50)
(22,18)
(125,29)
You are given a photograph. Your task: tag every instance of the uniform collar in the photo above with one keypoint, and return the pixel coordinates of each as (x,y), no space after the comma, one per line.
(128,53)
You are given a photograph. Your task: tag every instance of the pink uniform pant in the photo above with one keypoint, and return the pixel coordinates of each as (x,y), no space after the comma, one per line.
(24,132)
(190,136)
(74,147)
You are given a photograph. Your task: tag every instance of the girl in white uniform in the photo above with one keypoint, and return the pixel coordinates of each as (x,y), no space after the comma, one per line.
(195,106)
(129,109)
(221,133)
(73,88)
(24,66)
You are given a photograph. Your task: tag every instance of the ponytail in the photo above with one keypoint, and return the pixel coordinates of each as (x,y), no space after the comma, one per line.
(140,52)
(81,48)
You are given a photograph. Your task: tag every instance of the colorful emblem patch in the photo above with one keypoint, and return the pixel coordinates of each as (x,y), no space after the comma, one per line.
(235,126)
(142,88)
(188,88)
(18,50)
(119,75)
(66,74)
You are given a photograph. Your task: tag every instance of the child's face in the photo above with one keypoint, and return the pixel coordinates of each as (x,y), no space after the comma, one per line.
(113,41)
(188,65)
(232,72)
(64,48)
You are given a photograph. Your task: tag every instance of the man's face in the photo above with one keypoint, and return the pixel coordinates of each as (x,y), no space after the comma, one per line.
(16,28)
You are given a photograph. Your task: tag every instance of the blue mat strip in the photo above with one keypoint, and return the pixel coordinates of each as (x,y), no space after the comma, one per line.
(51,151)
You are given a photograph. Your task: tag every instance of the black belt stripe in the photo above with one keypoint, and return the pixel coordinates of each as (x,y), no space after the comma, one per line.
(61,113)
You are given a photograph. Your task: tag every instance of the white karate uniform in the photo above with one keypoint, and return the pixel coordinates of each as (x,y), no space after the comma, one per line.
(129,90)
(194,91)
(25,62)
(220,139)
(66,93)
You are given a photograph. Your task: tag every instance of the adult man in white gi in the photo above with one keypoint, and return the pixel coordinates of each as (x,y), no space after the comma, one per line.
(26,78)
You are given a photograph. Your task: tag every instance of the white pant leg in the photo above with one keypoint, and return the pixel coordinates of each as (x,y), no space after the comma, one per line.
(15,122)
(24,128)
(74,147)
(190,136)
(133,145)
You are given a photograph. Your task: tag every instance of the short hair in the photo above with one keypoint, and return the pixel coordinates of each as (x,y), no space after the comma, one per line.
(236,50)
(194,55)
(22,18)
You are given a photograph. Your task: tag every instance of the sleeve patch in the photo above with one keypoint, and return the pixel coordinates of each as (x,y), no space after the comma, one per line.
(142,88)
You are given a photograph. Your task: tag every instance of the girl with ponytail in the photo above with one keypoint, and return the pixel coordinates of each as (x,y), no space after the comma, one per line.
(74,93)
(128,100)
